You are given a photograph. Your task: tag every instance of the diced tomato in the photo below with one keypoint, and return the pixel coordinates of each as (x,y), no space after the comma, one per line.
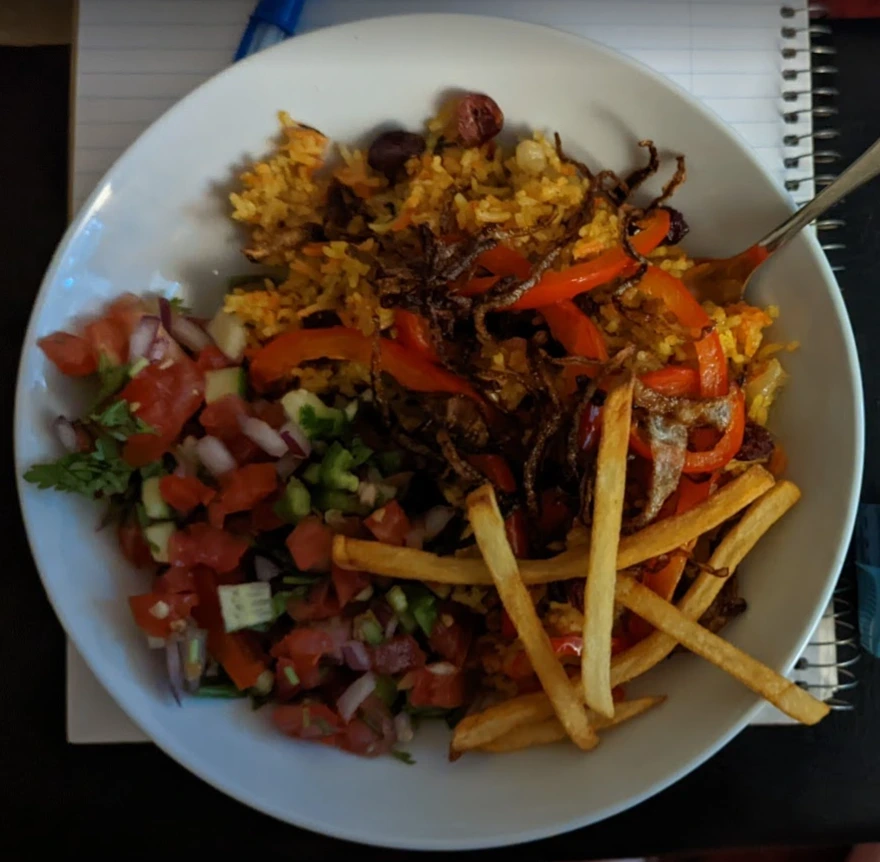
(165,398)
(313,721)
(284,689)
(305,647)
(450,637)
(156,613)
(508,629)
(239,653)
(441,690)
(71,354)
(108,339)
(222,418)
(271,412)
(310,544)
(371,732)
(320,604)
(201,544)
(264,518)
(184,493)
(212,358)
(389,524)
(241,490)
(244,450)
(400,653)
(348,583)
(135,547)
(175,579)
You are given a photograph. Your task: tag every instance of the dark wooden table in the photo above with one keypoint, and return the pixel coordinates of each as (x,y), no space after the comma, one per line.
(770,785)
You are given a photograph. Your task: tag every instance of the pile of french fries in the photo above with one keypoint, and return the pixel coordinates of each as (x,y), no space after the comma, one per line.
(578,708)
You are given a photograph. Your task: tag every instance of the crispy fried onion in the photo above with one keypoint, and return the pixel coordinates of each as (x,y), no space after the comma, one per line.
(626,235)
(688,411)
(640,175)
(669,189)
(582,169)
(668,440)
(550,423)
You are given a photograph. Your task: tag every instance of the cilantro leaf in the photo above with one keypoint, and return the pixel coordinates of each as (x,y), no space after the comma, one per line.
(113,378)
(119,422)
(100,473)
(404,757)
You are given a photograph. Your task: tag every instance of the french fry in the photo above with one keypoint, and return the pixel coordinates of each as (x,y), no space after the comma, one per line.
(781,692)
(488,527)
(608,493)
(550,730)
(638,659)
(731,551)
(475,731)
(652,541)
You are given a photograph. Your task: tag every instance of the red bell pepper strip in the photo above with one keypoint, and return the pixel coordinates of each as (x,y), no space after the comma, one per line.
(414,333)
(498,472)
(723,451)
(518,666)
(556,286)
(670,290)
(503,260)
(288,351)
(575,331)
(674,381)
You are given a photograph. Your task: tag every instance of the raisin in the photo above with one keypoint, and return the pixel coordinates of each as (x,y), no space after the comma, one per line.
(478,119)
(392,150)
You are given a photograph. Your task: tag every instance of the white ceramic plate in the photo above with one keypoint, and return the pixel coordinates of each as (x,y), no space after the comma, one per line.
(158,220)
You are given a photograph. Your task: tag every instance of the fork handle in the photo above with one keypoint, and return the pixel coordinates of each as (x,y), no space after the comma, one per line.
(864,168)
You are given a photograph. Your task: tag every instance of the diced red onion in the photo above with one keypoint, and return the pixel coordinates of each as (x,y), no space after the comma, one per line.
(415,538)
(436,520)
(265,569)
(141,341)
(175,668)
(286,465)
(355,695)
(356,655)
(339,630)
(264,435)
(403,727)
(442,668)
(165,312)
(186,455)
(391,627)
(296,439)
(189,334)
(66,433)
(215,456)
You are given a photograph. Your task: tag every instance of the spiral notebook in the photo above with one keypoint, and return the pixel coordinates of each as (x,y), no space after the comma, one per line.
(765,68)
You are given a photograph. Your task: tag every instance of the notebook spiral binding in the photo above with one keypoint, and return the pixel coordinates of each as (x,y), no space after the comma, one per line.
(816,79)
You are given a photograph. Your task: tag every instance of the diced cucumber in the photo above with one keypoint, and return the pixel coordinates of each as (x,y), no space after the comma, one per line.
(367,628)
(397,599)
(158,535)
(224,381)
(351,409)
(336,469)
(326,499)
(312,474)
(312,415)
(155,507)
(245,605)
(138,366)
(295,503)
(229,335)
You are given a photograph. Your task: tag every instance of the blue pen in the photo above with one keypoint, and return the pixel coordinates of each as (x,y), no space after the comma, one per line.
(272,22)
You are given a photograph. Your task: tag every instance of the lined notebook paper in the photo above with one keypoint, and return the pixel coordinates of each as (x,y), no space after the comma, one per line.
(136,58)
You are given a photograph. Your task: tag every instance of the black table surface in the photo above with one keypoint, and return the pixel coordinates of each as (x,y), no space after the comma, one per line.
(770,785)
